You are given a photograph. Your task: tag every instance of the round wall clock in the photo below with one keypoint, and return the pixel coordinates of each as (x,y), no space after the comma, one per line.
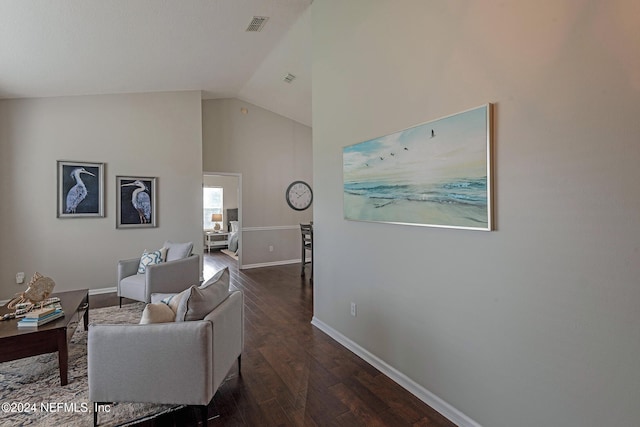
(299,195)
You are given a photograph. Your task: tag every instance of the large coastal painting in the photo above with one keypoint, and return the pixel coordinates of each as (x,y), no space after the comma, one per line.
(435,174)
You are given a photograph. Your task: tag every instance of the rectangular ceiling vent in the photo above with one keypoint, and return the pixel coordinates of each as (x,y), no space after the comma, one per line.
(289,78)
(257,23)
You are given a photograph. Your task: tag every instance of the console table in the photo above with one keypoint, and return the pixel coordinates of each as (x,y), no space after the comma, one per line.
(216,239)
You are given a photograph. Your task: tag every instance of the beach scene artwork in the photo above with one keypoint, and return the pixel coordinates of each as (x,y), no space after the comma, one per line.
(433,174)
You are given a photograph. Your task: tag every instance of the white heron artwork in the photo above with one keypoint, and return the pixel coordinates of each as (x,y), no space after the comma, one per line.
(80,189)
(78,192)
(141,200)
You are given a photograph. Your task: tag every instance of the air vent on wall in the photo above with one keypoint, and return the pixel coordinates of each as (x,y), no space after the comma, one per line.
(257,23)
(289,78)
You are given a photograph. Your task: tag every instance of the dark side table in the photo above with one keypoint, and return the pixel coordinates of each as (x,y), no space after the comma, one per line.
(17,343)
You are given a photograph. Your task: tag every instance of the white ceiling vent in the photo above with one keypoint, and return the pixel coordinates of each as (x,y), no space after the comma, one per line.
(289,78)
(257,23)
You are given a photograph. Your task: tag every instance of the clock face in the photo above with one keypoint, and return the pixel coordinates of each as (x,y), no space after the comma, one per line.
(299,195)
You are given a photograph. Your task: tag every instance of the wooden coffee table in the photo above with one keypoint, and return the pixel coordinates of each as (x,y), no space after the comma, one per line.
(16,343)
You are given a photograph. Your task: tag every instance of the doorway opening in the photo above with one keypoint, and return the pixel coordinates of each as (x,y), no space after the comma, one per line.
(222,213)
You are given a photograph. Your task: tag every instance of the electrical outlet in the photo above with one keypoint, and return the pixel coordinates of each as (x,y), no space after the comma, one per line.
(270,248)
(20,278)
(353,309)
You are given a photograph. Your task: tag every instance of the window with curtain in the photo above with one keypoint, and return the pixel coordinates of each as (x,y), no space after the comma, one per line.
(211,204)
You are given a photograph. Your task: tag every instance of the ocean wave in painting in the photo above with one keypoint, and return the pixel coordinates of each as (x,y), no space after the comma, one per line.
(469,192)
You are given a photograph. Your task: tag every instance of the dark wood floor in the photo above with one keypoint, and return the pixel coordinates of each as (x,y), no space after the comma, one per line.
(292,373)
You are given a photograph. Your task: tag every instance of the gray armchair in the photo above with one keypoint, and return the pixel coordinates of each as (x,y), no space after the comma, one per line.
(167,277)
(180,363)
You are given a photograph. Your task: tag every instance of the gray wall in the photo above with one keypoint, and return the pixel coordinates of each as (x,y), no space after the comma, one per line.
(536,323)
(155,134)
(270,151)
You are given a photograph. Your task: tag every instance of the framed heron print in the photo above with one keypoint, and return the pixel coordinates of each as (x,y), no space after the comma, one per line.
(135,202)
(435,174)
(80,189)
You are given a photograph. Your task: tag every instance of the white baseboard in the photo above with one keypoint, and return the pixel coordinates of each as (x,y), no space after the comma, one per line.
(270,264)
(103,291)
(448,411)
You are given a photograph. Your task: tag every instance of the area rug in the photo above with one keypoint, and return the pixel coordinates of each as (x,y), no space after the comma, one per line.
(31,386)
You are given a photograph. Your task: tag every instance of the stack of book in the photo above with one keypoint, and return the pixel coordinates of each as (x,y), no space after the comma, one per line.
(41,316)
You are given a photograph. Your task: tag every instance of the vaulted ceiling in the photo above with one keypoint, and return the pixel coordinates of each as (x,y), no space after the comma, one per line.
(88,47)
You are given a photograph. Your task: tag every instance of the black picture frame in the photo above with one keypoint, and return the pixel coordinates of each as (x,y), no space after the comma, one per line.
(136,202)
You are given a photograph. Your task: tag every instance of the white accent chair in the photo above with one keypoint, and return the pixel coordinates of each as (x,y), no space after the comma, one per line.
(182,363)
(167,277)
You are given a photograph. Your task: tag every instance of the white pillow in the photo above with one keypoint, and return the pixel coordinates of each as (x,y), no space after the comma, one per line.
(215,278)
(173,301)
(177,250)
(157,313)
(163,253)
(234,226)
(149,258)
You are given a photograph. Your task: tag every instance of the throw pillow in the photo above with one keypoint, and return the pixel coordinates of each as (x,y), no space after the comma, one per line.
(216,277)
(177,250)
(200,301)
(147,259)
(157,313)
(163,253)
(173,301)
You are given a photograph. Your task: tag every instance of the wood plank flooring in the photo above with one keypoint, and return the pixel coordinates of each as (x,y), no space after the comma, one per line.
(292,373)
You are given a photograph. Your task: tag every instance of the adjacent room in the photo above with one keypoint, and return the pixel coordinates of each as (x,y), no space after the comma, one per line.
(161,161)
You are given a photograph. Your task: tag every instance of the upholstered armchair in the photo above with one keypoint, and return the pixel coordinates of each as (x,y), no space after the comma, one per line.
(180,362)
(172,276)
